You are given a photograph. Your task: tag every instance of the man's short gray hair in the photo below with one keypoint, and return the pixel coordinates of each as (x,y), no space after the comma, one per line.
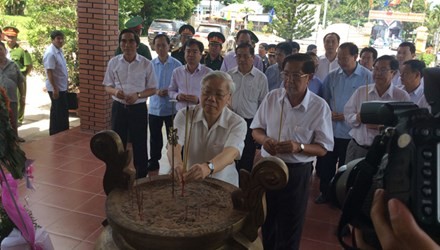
(219,75)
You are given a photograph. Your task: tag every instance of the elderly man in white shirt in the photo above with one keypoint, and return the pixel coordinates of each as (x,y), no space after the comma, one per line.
(294,124)
(251,87)
(130,80)
(212,134)
(363,135)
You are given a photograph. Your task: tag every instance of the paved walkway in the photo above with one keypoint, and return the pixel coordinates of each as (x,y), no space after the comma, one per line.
(36,117)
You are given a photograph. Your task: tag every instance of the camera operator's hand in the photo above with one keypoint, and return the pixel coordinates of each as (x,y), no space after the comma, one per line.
(399,230)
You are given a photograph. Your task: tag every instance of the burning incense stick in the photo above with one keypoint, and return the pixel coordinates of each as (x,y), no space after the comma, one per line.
(281,120)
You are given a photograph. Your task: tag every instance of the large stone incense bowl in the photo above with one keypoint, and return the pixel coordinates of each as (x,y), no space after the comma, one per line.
(209,214)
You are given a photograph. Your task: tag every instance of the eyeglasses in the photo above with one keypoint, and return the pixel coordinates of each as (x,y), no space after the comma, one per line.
(381,71)
(217,95)
(294,76)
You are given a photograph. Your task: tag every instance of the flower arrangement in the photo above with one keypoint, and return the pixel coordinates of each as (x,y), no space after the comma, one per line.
(13,215)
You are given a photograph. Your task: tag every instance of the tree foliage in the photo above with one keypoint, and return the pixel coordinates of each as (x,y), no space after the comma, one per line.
(153,9)
(294,19)
(49,15)
(13,7)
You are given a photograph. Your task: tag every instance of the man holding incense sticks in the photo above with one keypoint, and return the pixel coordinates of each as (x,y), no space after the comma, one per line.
(130,80)
(212,136)
(295,125)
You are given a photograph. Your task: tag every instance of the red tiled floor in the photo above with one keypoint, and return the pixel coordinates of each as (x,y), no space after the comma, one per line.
(69,200)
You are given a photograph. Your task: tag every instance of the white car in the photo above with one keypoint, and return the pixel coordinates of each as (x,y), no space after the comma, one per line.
(205,28)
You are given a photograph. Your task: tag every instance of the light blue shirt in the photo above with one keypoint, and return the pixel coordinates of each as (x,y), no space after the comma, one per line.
(161,105)
(274,78)
(337,90)
(315,85)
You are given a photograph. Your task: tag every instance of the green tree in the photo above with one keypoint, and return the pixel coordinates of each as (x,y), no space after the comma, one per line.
(49,15)
(127,9)
(294,19)
(13,7)
(433,25)
(152,9)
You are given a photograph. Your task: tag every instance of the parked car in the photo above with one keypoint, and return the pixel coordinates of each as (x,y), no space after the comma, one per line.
(166,26)
(205,28)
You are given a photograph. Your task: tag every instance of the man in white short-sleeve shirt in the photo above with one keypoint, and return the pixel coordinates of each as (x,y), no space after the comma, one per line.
(130,80)
(251,87)
(295,125)
(211,134)
(384,69)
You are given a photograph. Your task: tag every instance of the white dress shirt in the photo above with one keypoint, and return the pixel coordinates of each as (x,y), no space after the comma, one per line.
(185,82)
(130,77)
(359,132)
(309,122)
(228,131)
(325,67)
(54,59)
(250,90)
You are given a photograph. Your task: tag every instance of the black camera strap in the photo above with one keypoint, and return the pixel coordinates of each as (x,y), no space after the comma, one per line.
(363,172)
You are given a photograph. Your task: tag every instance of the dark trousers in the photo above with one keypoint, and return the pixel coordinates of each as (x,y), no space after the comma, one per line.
(286,210)
(59,113)
(326,165)
(20,116)
(132,119)
(156,140)
(248,155)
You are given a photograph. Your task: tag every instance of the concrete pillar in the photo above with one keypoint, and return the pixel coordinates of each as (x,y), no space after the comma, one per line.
(421,38)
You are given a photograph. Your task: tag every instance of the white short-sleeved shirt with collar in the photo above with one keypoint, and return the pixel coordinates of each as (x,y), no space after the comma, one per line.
(359,132)
(54,59)
(131,77)
(228,131)
(250,90)
(308,123)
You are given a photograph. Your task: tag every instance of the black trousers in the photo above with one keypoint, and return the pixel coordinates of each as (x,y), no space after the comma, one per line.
(326,165)
(248,155)
(59,113)
(286,210)
(132,119)
(155,124)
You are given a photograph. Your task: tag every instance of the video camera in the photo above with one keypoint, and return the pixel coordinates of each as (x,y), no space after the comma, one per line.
(403,159)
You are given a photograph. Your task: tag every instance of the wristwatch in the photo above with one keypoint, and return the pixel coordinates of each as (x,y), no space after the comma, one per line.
(138,94)
(211,167)
(301,148)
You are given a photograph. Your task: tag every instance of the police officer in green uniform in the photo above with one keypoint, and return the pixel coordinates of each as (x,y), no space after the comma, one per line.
(186,32)
(135,24)
(213,59)
(22,58)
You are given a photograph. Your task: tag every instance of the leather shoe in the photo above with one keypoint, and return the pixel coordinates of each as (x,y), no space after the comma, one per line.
(321,199)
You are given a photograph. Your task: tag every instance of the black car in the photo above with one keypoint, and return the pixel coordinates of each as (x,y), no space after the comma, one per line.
(166,26)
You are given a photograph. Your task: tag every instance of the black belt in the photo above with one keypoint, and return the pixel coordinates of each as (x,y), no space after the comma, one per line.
(362,146)
(128,105)
(298,165)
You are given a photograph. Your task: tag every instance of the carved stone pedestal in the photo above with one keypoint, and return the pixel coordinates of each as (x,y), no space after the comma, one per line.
(211,214)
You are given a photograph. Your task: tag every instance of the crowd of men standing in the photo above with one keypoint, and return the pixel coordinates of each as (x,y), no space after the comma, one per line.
(299,107)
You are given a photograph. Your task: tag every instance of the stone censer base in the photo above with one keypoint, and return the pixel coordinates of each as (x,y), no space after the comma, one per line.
(212,214)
